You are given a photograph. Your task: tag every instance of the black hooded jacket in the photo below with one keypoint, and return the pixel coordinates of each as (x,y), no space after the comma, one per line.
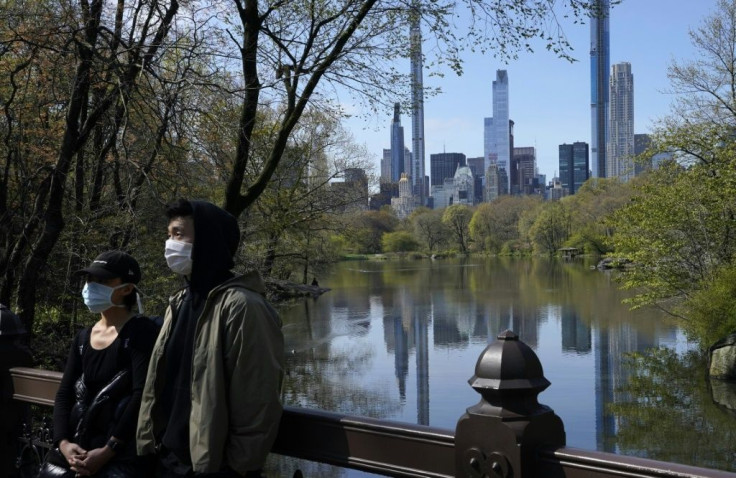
(216,239)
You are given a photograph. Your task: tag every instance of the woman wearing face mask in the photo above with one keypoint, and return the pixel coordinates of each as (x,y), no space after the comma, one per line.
(97,403)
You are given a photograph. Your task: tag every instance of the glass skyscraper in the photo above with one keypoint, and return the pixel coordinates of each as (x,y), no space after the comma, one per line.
(573,165)
(599,71)
(443,166)
(497,130)
(397,146)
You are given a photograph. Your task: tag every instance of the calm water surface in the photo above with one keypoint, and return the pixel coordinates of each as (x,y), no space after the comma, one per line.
(399,340)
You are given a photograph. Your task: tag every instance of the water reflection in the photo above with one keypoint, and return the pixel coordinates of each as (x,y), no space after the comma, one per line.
(399,340)
(670,411)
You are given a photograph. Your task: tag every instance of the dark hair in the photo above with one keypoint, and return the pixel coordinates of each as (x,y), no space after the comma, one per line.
(179,208)
(131,299)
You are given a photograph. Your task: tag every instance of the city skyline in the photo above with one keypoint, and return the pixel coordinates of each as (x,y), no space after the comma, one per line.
(550,97)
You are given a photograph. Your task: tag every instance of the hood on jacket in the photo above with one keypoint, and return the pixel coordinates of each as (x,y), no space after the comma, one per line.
(216,239)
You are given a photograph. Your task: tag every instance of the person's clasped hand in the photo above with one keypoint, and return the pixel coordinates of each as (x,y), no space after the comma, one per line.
(72,452)
(92,461)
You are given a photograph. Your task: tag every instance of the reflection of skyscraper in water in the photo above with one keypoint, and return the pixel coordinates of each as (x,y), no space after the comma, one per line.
(445,322)
(610,375)
(356,308)
(575,332)
(403,330)
(490,324)
(525,323)
(421,339)
(401,355)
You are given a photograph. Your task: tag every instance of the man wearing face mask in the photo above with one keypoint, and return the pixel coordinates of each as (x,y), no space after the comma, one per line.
(211,405)
(96,405)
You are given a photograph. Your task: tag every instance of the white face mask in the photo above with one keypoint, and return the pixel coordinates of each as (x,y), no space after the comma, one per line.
(179,256)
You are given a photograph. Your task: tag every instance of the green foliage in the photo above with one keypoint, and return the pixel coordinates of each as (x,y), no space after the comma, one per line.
(551,228)
(497,222)
(712,308)
(667,395)
(429,229)
(365,230)
(678,229)
(457,219)
(399,241)
(591,206)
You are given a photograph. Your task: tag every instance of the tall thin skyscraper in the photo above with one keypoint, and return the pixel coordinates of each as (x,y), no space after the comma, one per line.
(497,131)
(620,152)
(599,71)
(397,146)
(417,99)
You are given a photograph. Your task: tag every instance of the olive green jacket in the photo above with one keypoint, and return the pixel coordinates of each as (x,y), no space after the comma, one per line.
(237,370)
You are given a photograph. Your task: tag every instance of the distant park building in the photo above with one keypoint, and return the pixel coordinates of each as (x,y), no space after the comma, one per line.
(620,153)
(574,165)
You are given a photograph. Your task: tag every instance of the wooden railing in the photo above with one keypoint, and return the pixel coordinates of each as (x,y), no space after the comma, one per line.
(507,434)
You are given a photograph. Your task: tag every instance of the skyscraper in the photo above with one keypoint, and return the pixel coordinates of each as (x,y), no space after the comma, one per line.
(497,131)
(444,165)
(523,170)
(386,176)
(599,71)
(397,146)
(417,99)
(620,152)
(574,165)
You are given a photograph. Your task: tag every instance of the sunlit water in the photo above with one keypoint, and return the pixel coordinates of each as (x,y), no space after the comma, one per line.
(398,340)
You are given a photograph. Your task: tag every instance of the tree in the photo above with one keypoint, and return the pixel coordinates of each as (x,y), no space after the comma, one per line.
(428,227)
(678,227)
(678,230)
(292,52)
(365,230)
(591,207)
(292,220)
(551,227)
(457,219)
(399,241)
(106,52)
(497,222)
(705,86)
(106,106)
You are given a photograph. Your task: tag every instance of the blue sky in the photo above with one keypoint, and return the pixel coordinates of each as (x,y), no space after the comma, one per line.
(550,97)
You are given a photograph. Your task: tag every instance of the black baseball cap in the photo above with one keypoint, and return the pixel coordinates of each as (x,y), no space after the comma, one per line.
(112,264)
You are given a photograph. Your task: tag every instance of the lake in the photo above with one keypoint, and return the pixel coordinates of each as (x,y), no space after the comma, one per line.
(398,340)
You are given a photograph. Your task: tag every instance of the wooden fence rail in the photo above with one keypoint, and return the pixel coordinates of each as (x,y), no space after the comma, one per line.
(508,434)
